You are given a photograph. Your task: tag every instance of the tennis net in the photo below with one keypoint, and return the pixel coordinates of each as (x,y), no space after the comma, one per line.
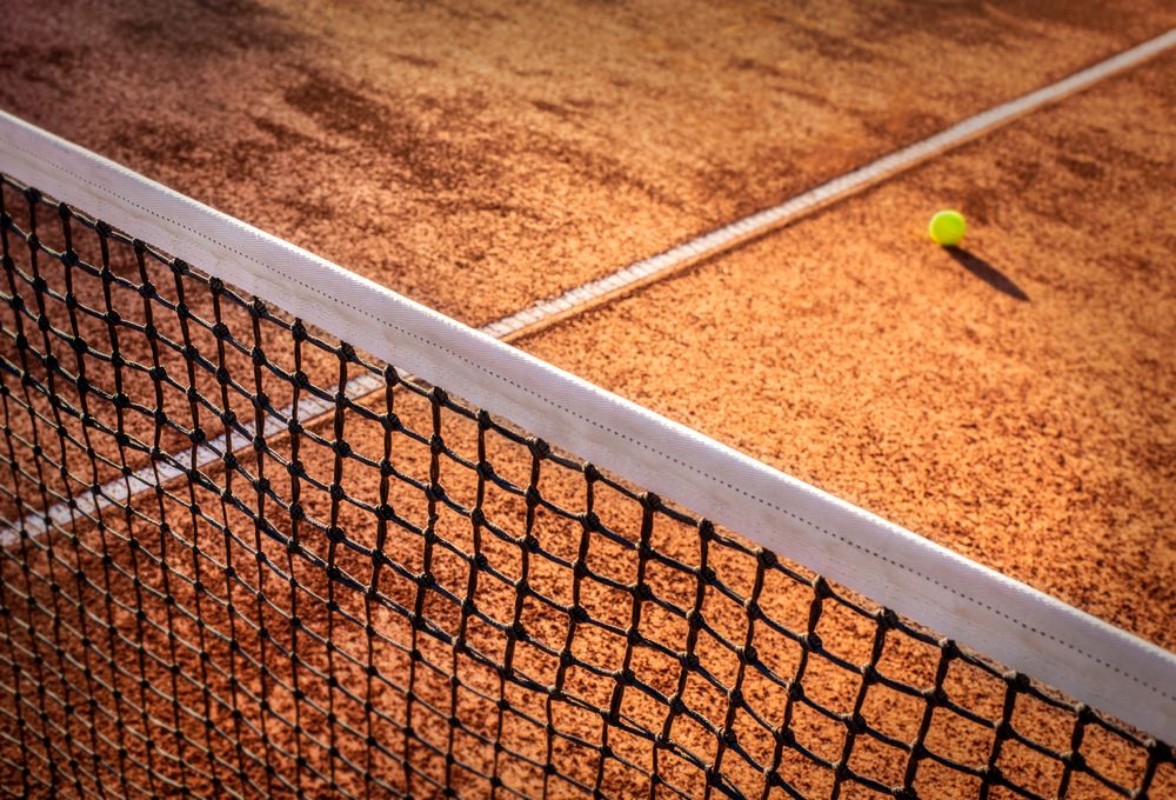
(267,529)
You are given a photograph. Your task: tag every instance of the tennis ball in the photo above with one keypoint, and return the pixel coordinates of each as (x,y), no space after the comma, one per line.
(947,228)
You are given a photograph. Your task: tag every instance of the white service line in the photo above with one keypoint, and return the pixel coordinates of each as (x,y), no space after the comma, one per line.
(119,490)
(587,295)
(757,225)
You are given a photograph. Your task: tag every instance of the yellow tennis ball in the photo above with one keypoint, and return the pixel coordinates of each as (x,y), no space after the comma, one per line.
(947,228)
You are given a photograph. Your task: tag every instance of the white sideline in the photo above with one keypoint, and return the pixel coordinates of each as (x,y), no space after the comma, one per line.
(1027,630)
(151,476)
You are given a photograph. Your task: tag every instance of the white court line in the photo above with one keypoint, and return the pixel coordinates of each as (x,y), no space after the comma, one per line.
(593,292)
(160,473)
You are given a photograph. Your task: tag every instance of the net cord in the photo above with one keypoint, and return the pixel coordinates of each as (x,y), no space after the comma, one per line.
(1027,630)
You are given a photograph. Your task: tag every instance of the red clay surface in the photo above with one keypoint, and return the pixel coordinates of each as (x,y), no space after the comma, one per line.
(478,157)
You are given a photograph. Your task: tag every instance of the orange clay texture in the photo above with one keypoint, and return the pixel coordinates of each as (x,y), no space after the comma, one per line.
(477,156)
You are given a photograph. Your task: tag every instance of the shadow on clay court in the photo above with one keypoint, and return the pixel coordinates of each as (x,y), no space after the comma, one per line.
(987,273)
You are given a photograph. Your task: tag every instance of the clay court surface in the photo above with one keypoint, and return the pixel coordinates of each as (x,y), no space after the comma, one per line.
(1011,401)
(478,157)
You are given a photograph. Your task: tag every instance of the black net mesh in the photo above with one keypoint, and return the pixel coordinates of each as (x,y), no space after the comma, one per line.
(241,558)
